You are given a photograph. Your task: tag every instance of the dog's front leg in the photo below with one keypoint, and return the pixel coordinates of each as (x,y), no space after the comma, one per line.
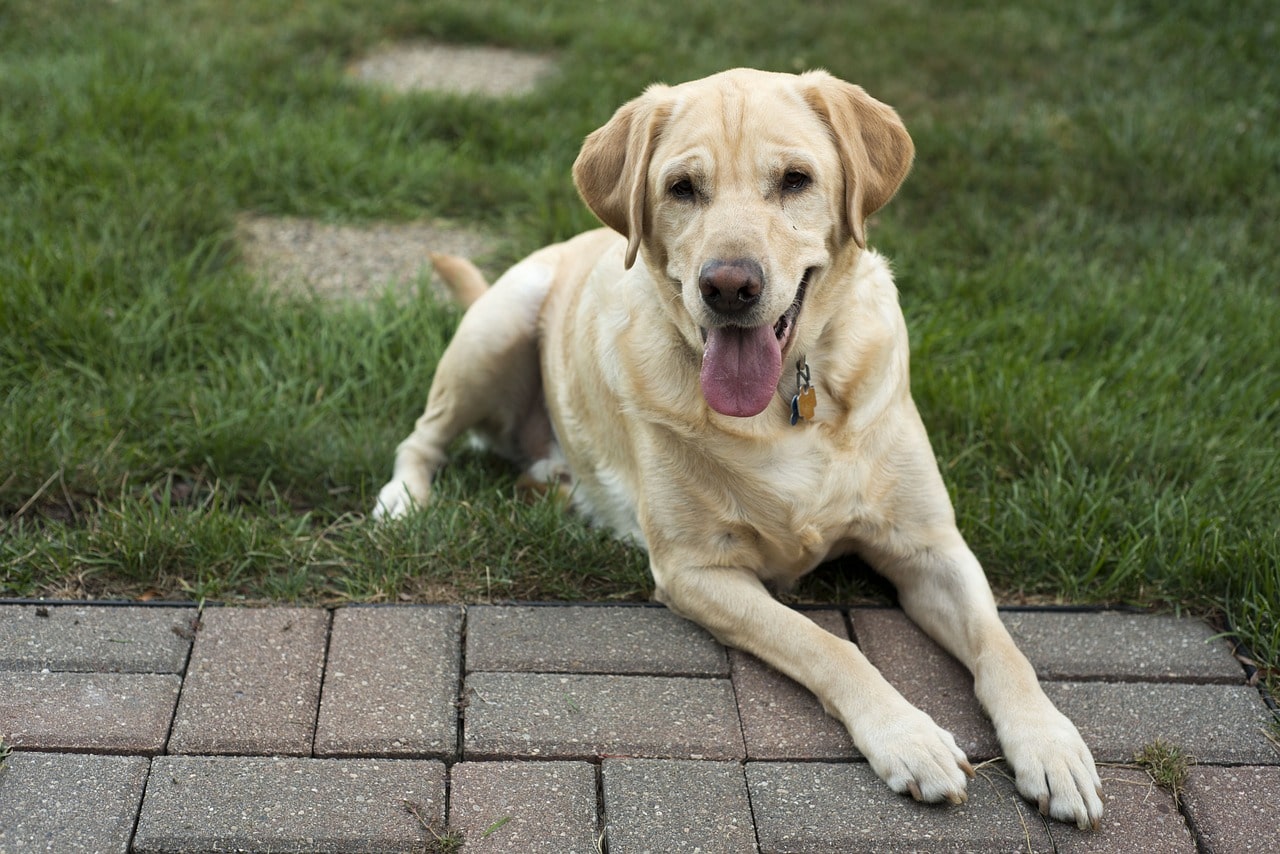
(943,589)
(905,747)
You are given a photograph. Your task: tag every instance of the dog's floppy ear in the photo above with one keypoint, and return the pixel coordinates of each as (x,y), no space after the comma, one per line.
(611,171)
(875,148)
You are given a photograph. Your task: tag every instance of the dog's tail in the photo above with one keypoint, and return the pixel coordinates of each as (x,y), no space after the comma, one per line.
(464,279)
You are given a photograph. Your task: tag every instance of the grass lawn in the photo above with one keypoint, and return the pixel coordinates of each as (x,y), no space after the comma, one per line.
(1087,255)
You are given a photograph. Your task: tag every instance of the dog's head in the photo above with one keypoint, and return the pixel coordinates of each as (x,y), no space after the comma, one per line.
(742,189)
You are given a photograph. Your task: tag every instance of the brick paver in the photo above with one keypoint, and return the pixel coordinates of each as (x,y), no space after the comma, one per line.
(391,685)
(823,808)
(657,752)
(1068,646)
(587,639)
(99,712)
(780,718)
(929,678)
(69,802)
(1139,817)
(1235,809)
(242,803)
(95,640)
(254,682)
(524,807)
(1214,723)
(571,716)
(660,805)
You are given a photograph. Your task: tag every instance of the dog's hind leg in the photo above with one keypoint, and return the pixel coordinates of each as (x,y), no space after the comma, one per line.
(488,378)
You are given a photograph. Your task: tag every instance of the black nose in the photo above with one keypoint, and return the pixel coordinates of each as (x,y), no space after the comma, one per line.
(731,286)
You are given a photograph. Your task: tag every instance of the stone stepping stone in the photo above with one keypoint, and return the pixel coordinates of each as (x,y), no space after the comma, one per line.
(455,69)
(303,256)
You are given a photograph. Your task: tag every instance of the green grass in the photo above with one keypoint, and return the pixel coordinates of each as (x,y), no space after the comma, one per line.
(1167,764)
(1085,249)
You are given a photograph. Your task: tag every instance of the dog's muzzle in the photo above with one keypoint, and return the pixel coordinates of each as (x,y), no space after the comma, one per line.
(741,365)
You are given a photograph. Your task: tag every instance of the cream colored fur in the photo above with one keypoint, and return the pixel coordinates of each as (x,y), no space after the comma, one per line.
(582,364)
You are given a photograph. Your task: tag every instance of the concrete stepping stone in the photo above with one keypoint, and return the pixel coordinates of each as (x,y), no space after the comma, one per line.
(455,69)
(332,261)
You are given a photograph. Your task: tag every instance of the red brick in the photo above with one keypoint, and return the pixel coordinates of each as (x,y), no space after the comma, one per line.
(636,640)
(665,805)
(1236,809)
(392,683)
(572,716)
(524,807)
(253,686)
(782,719)
(98,712)
(927,676)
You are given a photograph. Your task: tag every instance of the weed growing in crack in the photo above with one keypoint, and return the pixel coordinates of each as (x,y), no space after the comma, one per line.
(447,842)
(1168,765)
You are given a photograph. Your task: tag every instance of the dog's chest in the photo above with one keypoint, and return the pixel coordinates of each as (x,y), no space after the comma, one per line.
(778,508)
(783,505)
(802,502)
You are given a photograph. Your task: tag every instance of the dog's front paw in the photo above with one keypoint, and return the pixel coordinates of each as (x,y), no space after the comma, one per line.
(914,755)
(1054,768)
(396,499)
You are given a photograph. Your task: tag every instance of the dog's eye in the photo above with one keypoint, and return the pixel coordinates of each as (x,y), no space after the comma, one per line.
(682,189)
(795,181)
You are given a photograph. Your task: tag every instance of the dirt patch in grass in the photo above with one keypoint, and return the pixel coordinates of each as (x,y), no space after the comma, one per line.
(471,70)
(337,261)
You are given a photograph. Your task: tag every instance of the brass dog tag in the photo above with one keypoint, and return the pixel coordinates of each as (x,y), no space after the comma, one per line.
(806,403)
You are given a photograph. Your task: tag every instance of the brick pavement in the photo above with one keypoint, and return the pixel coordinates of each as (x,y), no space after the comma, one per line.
(575,729)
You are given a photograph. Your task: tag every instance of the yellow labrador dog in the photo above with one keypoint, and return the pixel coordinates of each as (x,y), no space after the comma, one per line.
(721,376)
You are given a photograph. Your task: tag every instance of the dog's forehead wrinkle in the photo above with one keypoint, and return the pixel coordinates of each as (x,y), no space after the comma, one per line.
(792,157)
(691,163)
(749,110)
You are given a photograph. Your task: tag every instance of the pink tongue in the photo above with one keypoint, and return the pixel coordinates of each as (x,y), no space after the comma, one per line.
(740,370)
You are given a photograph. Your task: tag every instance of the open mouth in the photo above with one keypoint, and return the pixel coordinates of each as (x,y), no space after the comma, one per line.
(787,323)
(741,366)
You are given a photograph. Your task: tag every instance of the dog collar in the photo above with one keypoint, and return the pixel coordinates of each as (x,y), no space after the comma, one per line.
(805,400)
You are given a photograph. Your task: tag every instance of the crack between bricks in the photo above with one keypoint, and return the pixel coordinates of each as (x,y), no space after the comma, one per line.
(602,817)
(324,677)
(173,722)
(459,709)
(195,626)
(742,734)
